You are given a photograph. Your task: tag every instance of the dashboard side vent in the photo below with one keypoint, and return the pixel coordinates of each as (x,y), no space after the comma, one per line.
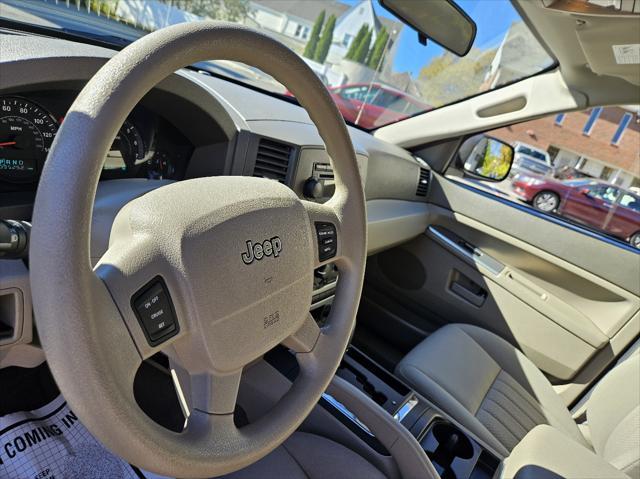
(423,182)
(272,160)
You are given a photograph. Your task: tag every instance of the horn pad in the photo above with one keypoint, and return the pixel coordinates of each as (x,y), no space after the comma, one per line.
(242,251)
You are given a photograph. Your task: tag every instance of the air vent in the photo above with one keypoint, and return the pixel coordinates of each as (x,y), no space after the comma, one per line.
(423,182)
(272,160)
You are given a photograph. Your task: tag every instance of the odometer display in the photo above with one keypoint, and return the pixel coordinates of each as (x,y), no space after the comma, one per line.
(26,133)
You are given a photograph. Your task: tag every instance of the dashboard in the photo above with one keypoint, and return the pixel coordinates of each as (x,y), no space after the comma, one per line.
(146,146)
(192,124)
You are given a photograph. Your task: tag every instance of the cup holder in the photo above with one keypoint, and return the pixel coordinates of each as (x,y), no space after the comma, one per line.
(452,453)
(452,442)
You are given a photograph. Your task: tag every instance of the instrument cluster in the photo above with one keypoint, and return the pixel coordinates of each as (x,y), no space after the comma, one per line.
(146,146)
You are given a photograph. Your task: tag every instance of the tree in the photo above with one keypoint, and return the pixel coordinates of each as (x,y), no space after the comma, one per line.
(362,51)
(312,44)
(375,55)
(229,10)
(356,42)
(324,44)
(447,78)
(235,10)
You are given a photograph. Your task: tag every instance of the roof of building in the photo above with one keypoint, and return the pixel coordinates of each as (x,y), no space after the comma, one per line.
(307,10)
(310,9)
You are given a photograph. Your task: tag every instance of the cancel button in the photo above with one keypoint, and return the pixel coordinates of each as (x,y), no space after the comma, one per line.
(154,310)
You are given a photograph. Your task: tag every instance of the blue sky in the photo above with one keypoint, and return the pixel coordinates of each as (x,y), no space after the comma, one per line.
(492,17)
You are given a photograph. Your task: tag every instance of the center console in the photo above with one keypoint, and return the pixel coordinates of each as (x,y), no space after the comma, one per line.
(454,453)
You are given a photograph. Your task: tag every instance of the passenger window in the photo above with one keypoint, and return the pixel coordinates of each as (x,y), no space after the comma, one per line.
(630,201)
(359,93)
(592,180)
(388,100)
(605,193)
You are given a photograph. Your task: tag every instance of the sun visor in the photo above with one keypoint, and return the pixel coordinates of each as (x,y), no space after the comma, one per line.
(611,45)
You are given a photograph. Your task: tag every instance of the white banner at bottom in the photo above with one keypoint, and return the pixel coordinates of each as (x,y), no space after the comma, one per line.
(51,443)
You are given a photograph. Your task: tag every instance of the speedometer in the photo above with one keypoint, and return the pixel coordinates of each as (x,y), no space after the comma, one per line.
(26,133)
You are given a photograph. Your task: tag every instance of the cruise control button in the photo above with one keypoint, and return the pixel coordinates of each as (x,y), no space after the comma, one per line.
(327,240)
(154,310)
(331,240)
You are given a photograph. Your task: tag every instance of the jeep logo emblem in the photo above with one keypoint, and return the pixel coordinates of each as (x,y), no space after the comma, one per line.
(257,251)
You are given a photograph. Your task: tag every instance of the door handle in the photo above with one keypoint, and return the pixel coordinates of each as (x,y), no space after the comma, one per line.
(465,250)
(467,289)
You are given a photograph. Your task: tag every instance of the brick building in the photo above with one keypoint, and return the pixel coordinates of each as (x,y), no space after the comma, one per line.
(602,142)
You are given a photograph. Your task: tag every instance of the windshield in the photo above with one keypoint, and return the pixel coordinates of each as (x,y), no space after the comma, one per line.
(375,67)
(532,165)
(537,154)
(578,182)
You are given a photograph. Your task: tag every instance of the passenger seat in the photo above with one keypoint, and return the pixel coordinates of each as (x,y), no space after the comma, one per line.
(491,388)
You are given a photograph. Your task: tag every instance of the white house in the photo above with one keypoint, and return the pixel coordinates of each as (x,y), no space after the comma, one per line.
(293,21)
(518,56)
(351,21)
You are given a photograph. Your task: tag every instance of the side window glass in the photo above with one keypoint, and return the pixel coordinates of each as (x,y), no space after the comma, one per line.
(354,93)
(592,180)
(605,193)
(630,201)
(389,101)
(359,93)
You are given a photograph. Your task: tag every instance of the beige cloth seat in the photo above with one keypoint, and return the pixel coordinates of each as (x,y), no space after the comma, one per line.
(492,389)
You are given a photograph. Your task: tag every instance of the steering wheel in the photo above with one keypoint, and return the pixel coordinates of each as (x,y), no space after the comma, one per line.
(225,263)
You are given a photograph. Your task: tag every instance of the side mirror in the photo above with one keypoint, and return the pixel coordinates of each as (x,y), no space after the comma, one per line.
(486,158)
(585,192)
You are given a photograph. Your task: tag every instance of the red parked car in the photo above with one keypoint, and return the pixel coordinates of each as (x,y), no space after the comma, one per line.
(600,205)
(372,105)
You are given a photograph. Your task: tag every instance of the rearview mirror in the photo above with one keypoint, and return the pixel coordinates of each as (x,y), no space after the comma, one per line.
(442,21)
(486,158)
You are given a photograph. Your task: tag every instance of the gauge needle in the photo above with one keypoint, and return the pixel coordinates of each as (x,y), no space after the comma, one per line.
(7,143)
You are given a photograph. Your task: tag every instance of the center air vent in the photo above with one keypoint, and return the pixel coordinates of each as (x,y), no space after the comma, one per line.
(423,182)
(272,160)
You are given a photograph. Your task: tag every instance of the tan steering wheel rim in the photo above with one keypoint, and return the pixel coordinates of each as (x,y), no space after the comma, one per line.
(85,322)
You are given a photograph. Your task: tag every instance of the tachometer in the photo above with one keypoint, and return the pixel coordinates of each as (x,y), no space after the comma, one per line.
(128,149)
(26,133)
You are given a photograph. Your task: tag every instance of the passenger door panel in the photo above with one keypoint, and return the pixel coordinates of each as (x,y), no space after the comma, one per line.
(503,267)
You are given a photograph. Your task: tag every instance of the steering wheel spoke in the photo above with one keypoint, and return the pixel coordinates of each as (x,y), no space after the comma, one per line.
(215,393)
(111,328)
(305,338)
(204,391)
(143,287)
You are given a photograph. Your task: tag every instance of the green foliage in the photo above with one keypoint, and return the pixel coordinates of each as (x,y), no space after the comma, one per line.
(362,50)
(101,7)
(228,10)
(235,10)
(356,42)
(375,55)
(325,40)
(448,78)
(312,44)
(497,160)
